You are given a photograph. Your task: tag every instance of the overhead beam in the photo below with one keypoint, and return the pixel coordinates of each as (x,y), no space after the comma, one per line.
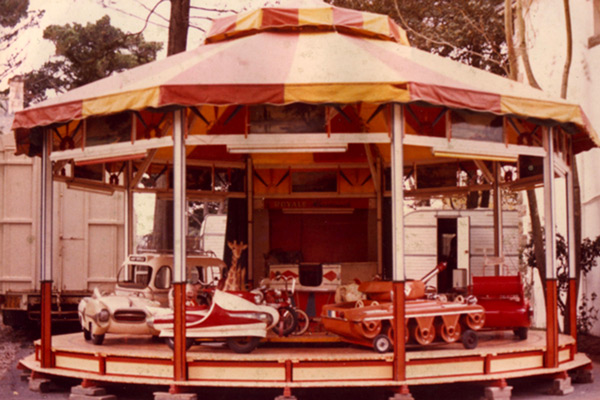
(143,168)
(256,140)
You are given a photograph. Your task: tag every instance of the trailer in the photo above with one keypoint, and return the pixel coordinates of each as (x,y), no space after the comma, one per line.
(88,244)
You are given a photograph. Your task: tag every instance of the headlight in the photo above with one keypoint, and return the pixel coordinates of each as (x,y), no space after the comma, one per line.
(103,316)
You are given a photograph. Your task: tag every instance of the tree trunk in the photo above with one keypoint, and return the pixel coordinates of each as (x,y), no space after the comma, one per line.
(567,67)
(179,23)
(537,236)
(534,215)
(522,46)
(509,31)
(576,187)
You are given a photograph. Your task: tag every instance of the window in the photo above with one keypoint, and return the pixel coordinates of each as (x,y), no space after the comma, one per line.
(163,278)
(293,118)
(135,276)
(314,181)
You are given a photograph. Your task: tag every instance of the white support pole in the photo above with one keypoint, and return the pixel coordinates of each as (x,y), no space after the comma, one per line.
(398,268)
(551,356)
(549,204)
(498,239)
(250,204)
(129,214)
(571,224)
(45,244)
(179,199)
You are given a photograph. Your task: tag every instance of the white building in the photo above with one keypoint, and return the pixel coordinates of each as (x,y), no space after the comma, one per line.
(547,46)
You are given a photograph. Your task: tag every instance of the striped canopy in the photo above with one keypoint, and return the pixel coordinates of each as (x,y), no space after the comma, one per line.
(315,54)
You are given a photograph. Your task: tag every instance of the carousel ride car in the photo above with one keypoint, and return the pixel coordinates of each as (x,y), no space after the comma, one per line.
(142,289)
(233,317)
(368,322)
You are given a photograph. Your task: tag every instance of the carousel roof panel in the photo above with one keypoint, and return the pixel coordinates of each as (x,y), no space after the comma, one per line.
(307,16)
(275,56)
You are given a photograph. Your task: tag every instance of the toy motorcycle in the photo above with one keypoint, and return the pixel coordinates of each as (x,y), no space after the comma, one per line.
(292,320)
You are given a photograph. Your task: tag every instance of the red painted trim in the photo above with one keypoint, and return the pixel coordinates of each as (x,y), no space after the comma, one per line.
(398,324)
(573,308)
(487,366)
(46,322)
(102,365)
(179,357)
(288,371)
(551,359)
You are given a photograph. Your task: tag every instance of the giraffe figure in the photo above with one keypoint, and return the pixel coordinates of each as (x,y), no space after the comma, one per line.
(235,275)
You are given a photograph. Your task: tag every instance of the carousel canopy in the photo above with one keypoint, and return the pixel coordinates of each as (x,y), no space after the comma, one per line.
(318,54)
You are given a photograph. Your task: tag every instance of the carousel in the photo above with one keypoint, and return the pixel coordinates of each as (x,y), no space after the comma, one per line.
(318,126)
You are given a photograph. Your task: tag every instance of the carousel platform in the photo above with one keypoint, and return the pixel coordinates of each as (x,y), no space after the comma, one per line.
(139,360)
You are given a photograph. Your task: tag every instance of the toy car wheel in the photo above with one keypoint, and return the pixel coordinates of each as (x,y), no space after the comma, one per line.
(303,322)
(97,339)
(521,332)
(171,343)
(243,345)
(382,344)
(87,335)
(288,320)
(469,339)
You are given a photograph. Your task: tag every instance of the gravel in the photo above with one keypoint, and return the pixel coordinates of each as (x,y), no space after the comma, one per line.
(10,343)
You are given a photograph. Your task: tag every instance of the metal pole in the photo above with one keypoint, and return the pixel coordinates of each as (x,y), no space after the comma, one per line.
(398,267)
(250,203)
(498,239)
(550,231)
(46,251)
(572,248)
(179,244)
(129,229)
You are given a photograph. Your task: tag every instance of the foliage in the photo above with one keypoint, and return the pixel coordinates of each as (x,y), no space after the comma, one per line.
(14,18)
(469,31)
(588,314)
(85,54)
(12,12)
(590,251)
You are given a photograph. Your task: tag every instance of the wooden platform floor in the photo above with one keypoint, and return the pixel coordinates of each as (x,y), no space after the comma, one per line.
(134,359)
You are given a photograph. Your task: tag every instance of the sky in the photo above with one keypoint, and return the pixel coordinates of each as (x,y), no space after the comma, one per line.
(127,15)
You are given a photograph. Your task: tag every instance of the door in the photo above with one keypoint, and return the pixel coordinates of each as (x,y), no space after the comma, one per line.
(462,274)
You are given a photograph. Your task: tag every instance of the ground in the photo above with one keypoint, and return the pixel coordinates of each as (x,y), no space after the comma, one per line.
(15,345)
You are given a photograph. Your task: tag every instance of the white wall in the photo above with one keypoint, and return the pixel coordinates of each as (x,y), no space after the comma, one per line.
(547,50)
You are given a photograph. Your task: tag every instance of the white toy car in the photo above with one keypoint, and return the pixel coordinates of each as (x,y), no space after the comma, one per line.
(142,290)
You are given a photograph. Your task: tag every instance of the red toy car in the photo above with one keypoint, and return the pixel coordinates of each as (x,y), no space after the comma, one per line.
(505,304)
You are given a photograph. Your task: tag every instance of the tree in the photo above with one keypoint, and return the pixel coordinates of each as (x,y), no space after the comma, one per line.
(469,31)
(85,54)
(179,23)
(15,17)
